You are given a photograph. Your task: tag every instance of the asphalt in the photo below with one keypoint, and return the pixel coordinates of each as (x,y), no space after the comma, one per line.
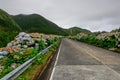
(80,61)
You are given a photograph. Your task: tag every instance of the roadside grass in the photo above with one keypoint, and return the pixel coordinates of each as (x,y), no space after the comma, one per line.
(36,68)
(118,50)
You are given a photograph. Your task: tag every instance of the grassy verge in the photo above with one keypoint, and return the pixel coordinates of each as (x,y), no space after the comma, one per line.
(38,65)
(109,43)
(15,59)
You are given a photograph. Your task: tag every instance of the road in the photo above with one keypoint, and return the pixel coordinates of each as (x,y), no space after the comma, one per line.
(80,61)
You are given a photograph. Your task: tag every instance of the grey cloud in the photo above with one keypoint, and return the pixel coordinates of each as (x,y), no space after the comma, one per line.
(89,14)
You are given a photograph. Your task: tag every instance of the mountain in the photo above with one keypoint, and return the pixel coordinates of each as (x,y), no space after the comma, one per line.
(33,23)
(76,30)
(37,23)
(116,30)
(8,28)
(11,25)
(7,23)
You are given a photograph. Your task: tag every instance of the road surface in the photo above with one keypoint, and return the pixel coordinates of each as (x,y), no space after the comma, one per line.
(80,61)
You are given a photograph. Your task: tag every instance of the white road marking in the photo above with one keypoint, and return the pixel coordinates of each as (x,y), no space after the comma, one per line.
(51,77)
(73,43)
(103,63)
(98,60)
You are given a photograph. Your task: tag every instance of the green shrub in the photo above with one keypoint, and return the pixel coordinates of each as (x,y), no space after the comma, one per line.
(42,45)
(109,42)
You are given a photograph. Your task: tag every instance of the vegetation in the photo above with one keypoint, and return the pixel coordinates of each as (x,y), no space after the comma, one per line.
(75,30)
(116,30)
(15,59)
(8,28)
(37,23)
(37,66)
(7,24)
(106,43)
(108,40)
(6,37)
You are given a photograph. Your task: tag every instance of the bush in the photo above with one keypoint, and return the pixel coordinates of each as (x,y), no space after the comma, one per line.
(6,37)
(42,45)
(109,42)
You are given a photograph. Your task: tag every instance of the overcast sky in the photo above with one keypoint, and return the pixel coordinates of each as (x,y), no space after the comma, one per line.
(95,15)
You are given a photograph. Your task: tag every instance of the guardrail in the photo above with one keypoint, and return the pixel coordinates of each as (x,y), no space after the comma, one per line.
(19,70)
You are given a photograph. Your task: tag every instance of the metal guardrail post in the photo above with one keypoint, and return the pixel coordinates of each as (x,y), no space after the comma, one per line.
(15,73)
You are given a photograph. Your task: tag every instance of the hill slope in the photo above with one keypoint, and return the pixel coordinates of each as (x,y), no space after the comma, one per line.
(8,28)
(76,30)
(7,23)
(37,23)
(29,23)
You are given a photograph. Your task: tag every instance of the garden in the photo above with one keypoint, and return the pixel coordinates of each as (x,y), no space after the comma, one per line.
(109,40)
(24,47)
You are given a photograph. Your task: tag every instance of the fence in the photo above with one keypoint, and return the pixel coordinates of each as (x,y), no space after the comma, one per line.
(15,73)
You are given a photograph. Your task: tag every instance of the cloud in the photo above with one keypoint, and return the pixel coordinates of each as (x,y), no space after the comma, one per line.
(89,14)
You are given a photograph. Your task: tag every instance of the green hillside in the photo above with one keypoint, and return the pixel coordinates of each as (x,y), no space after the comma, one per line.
(76,30)
(11,25)
(37,23)
(7,23)
(8,28)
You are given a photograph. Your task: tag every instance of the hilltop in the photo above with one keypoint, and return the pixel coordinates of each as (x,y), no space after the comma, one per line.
(11,25)
(37,23)
(77,30)
(8,28)
(7,23)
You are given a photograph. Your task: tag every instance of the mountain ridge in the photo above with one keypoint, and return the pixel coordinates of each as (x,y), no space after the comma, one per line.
(7,23)
(36,22)
(8,28)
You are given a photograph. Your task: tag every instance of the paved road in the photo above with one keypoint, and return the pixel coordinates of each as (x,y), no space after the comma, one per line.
(80,61)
